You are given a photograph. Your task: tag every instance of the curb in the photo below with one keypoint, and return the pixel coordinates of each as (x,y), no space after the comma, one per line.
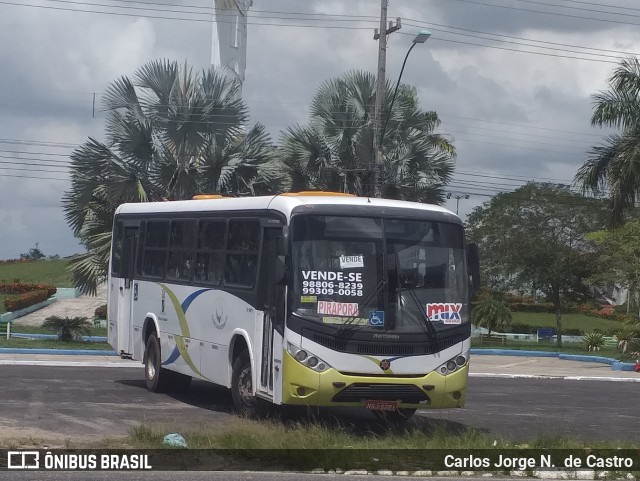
(62,352)
(52,363)
(614,363)
(23,335)
(563,378)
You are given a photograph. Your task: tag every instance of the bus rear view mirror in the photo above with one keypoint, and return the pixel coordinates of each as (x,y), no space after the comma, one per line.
(473,261)
(280,274)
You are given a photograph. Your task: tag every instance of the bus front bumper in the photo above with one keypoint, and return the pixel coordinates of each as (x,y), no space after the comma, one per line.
(304,386)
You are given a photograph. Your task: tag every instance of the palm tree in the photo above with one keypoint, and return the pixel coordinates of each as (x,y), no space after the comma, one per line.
(170,134)
(334,151)
(68,328)
(615,164)
(493,314)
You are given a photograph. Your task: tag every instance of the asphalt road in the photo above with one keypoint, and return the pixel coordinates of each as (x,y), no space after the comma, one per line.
(78,404)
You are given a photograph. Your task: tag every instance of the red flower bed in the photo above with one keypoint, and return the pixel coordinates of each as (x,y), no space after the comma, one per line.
(27,294)
(14,261)
(27,299)
(23,287)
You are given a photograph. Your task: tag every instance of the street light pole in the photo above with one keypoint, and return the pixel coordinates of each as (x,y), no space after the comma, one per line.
(381,83)
(422,37)
(457,198)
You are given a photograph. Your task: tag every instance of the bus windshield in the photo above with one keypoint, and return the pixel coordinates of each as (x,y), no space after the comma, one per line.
(379,273)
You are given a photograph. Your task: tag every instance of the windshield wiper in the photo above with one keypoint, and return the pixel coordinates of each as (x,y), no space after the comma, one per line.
(372,293)
(426,320)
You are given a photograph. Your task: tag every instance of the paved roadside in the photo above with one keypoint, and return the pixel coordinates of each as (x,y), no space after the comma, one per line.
(63,360)
(537,367)
(481,366)
(82,306)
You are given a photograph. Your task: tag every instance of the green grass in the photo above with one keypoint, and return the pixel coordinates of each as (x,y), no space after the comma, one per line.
(309,444)
(569,321)
(17,327)
(46,272)
(50,344)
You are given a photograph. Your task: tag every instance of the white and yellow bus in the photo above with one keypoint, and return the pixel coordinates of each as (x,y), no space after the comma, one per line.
(312,299)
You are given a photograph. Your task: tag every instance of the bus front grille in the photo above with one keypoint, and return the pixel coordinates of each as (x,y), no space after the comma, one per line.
(383,348)
(358,392)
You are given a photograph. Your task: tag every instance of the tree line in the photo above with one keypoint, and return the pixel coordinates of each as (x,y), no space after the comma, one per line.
(172,133)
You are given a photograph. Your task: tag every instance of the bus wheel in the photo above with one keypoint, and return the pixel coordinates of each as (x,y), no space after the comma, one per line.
(242,389)
(158,378)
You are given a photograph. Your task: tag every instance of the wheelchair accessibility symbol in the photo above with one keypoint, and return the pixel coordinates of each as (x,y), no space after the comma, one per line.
(376,318)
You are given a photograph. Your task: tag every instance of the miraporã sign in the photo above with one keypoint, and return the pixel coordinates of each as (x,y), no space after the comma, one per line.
(342,309)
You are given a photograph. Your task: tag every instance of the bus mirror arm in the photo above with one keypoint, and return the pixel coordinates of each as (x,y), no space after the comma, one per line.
(280,274)
(473,261)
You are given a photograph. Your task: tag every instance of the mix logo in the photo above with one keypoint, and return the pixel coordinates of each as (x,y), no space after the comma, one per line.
(448,312)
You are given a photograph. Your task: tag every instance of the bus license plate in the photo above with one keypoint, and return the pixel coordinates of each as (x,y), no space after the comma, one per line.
(382,405)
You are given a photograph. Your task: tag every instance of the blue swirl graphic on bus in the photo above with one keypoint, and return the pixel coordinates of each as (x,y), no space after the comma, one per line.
(181,308)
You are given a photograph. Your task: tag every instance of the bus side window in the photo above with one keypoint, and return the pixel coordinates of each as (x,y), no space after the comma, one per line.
(183,243)
(211,245)
(140,249)
(155,251)
(242,252)
(117,249)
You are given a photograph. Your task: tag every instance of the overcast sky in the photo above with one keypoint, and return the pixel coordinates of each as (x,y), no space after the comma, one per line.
(512,115)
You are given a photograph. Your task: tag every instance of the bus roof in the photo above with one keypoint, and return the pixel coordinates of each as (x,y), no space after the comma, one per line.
(281,203)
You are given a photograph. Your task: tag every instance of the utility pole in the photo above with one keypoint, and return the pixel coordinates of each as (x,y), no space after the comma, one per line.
(457,198)
(381,35)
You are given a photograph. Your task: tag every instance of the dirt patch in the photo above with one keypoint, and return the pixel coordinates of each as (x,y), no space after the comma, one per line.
(33,438)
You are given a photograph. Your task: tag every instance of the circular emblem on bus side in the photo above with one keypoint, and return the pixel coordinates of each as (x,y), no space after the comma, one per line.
(220,315)
(385,364)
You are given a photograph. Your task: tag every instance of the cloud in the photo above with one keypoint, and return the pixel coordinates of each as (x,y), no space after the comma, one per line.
(512,114)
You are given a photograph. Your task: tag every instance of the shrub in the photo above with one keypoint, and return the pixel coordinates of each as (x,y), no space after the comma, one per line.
(14,261)
(621,309)
(27,299)
(28,294)
(23,287)
(101,312)
(68,328)
(593,341)
(528,307)
(492,314)
(573,332)
(518,328)
(625,337)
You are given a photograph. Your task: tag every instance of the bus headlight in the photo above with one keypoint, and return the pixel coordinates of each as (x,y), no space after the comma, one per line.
(454,364)
(307,359)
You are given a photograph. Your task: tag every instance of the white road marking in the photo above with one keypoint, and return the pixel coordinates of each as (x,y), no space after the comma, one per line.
(566,378)
(528,361)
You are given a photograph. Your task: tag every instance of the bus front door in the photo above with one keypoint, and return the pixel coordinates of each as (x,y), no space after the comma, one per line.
(126,290)
(270,340)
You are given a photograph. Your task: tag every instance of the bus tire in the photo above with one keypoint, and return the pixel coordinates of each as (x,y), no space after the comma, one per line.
(158,378)
(245,402)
